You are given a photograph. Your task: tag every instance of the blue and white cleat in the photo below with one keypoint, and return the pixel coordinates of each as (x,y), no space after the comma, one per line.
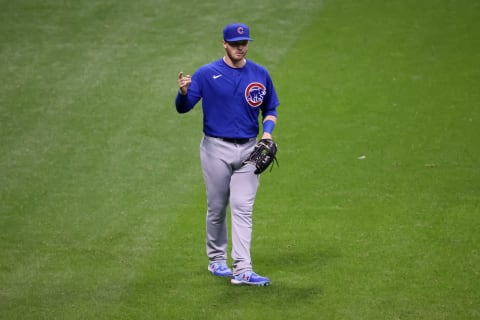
(250,278)
(220,269)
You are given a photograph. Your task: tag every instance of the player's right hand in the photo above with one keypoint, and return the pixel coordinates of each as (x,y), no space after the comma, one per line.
(184,82)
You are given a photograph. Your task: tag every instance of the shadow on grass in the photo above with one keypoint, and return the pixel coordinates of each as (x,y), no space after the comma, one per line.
(279,300)
(297,276)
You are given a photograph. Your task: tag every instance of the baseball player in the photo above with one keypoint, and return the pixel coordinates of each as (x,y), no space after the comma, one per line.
(234,93)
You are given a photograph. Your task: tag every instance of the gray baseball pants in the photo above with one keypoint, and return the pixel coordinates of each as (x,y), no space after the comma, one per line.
(229,182)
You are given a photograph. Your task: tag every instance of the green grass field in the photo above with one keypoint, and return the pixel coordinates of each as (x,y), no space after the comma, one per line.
(372,214)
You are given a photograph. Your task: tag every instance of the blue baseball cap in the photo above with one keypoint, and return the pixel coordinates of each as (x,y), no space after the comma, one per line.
(236,32)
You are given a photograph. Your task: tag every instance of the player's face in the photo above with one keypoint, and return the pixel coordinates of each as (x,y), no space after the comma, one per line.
(237,50)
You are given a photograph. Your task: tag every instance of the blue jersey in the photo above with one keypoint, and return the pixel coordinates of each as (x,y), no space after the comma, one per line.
(232,98)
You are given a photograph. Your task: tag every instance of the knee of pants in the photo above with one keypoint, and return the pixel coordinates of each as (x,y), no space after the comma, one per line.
(217,205)
(241,207)
(217,211)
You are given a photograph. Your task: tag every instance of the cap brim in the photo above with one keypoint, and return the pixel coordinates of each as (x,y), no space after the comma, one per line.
(238,39)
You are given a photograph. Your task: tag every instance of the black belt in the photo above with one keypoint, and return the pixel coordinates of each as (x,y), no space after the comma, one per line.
(235,140)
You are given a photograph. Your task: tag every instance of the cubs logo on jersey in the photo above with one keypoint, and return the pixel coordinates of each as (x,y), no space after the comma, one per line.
(254,94)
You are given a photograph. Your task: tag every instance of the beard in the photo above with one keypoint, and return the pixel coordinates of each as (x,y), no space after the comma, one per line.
(235,56)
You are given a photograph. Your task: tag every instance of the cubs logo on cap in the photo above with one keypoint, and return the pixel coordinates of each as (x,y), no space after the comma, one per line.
(236,32)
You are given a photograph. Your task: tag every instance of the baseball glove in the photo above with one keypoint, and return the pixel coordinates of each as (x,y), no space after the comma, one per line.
(263,155)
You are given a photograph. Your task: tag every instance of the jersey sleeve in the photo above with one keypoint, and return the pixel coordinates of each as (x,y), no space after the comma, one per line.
(271,102)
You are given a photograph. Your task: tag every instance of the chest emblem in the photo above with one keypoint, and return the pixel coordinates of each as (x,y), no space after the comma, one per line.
(254,94)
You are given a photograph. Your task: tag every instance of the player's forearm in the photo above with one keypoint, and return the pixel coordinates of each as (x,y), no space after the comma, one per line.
(268,125)
(270,117)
